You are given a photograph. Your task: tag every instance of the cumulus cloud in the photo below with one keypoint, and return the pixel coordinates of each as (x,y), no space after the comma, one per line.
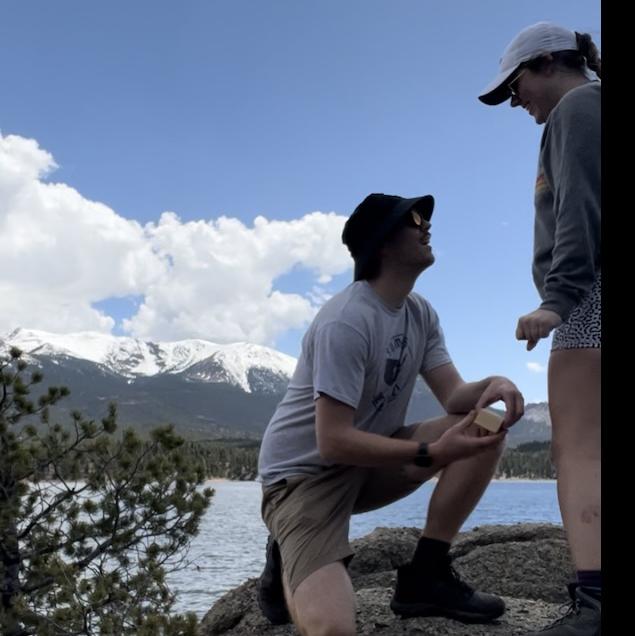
(536,367)
(211,279)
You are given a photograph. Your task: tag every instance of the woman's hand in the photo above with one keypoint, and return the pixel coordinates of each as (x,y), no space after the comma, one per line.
(538,324)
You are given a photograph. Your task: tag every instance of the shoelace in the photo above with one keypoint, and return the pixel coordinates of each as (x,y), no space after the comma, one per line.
(568,610)
(463,586)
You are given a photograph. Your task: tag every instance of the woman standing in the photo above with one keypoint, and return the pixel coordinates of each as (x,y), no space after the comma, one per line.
(553,73)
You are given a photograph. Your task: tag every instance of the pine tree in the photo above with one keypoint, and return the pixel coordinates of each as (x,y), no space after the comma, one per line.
(91,520)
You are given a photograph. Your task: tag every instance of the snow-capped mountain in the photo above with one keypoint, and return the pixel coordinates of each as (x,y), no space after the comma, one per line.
(538,413)
(132,357)
(204,389)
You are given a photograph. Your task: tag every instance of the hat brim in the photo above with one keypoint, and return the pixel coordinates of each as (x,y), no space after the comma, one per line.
(497,91)
(424,205)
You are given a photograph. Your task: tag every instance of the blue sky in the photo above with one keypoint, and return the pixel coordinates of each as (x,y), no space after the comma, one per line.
(183,169)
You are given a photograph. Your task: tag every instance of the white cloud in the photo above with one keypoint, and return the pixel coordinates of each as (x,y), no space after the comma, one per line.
(209,278)
(319,295)
(536,367)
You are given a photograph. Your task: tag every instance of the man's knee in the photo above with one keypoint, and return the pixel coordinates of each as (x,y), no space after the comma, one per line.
(325,602)
(328,627)
(324,621)
(430,430)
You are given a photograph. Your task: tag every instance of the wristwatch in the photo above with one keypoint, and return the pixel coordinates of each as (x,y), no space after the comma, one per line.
(422,458)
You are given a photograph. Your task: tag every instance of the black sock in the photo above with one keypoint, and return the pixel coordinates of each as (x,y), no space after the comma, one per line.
(591,581)
(430,554)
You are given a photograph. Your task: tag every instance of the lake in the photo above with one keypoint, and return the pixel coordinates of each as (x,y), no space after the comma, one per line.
(230,545)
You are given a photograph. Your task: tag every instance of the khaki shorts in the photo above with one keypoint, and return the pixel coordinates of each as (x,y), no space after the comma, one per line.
(309,515)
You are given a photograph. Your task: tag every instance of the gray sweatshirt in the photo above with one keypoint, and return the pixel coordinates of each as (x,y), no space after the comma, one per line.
(568,207)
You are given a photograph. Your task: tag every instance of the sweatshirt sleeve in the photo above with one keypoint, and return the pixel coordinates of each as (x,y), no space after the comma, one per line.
(570,153)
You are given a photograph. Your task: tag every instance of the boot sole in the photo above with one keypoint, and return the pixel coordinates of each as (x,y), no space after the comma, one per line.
(412,610)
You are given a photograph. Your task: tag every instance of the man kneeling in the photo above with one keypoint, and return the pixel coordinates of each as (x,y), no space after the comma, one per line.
(337,444)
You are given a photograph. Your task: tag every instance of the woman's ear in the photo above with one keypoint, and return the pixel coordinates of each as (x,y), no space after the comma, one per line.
(548,66)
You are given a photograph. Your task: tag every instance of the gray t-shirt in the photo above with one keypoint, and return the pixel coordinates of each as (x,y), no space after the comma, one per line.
(363,353)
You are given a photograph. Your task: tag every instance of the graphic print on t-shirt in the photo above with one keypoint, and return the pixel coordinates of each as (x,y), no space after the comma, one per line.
(396,355)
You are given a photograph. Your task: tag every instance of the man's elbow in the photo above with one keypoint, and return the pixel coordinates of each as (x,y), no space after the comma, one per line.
(452,402)
(329,448)
(453,407)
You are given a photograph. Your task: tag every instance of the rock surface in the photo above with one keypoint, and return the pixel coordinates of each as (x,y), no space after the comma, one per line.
(527,564)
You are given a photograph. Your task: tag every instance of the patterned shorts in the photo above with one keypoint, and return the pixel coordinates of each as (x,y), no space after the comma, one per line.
(583,328)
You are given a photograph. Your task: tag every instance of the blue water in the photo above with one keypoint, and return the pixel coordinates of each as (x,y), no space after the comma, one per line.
(230,546)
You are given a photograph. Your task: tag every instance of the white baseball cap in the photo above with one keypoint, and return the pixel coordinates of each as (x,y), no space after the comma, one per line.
(532,42)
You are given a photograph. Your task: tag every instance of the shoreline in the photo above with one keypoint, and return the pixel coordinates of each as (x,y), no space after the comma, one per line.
(218,480)
(495,479)
(526,479)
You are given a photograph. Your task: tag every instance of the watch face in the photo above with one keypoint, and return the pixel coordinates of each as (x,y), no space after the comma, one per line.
(425,461)
(422,458)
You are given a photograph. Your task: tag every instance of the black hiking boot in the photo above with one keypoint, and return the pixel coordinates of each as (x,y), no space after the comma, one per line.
(270,591)
(442,593)
(583,616)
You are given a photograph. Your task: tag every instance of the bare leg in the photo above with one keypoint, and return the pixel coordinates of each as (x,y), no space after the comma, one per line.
(324,603)
(434,589)
(457,492)
(288,597)
(574,404)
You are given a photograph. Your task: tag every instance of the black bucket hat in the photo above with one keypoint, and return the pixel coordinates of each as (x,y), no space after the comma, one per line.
(374,219)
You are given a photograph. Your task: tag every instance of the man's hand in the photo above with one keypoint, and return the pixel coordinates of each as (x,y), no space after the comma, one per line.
(463,440)
(538,324)
(503,389)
